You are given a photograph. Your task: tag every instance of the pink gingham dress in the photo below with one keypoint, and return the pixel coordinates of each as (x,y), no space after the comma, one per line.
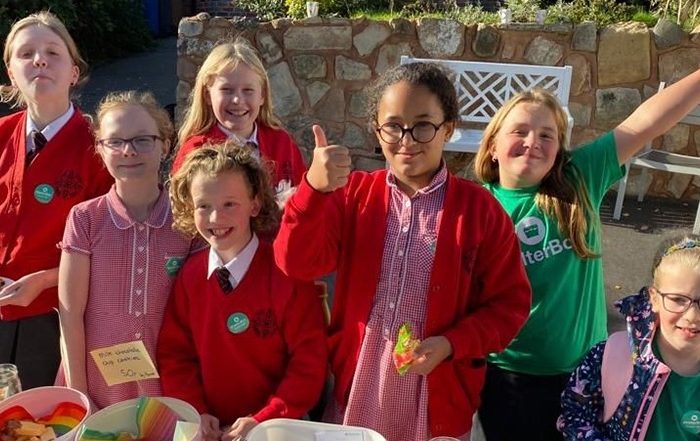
(397,407)
(132,267)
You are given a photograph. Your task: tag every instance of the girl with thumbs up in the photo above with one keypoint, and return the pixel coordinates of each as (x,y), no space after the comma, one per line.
(411,244)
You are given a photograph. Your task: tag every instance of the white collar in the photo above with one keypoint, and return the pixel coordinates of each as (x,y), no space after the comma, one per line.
(51,128)
(239,265)
(252,138)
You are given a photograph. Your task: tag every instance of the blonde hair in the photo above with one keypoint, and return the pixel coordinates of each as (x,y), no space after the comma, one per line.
(146,100)
(214,160)
(226,56)
(562,194)
(12,94)
(682,250)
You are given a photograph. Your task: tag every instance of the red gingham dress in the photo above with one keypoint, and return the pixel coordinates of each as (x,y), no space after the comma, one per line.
(397,407)
(129,282)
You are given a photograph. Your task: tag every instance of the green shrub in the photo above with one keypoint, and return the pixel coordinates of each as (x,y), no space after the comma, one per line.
(265,10)
(646,17)
(103,29)
(523,10)
(603,12)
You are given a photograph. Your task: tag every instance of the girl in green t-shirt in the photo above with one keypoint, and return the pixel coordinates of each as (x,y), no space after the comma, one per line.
(656,396)
(553,195)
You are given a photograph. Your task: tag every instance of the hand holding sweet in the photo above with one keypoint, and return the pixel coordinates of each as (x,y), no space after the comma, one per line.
(430,353)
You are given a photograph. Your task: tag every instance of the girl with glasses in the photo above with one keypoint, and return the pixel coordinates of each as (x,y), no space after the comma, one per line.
(120,252)
(645,383)
(553,195)
(412,244)
(47,165)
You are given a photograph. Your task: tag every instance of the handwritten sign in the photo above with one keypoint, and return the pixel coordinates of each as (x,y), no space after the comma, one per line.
(124,362)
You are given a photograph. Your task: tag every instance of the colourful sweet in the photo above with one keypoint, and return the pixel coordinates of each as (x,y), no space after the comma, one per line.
(403,350)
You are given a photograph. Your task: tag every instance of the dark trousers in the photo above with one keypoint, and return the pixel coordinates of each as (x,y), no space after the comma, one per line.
(33,345)
(521,406)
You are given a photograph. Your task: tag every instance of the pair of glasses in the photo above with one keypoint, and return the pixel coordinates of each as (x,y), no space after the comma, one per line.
(393,133)
(141,143)
(676,303)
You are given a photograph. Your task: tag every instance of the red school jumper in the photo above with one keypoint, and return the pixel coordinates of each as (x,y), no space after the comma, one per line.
(478,296)
(273,366)
(35,199)
(275,145)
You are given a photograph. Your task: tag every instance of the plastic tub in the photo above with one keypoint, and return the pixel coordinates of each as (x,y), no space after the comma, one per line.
(121,417)
(41,401)
(282,429)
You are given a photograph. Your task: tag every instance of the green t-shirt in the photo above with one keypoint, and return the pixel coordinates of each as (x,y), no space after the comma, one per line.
(677,413)
(568,314)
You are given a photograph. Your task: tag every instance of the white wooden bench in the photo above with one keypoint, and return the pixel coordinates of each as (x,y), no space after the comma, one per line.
(483,87)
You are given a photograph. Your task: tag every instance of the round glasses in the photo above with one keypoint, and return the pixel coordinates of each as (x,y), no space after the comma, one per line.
(393,133)
(676,303)
(141,143)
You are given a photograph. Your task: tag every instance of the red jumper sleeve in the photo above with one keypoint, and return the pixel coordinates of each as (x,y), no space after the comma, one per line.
(303,329)
(501,291)
(178,362)
(308,243)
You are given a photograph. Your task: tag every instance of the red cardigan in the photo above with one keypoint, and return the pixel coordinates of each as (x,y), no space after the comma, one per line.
(479,294)
(35,200)
(275,145)
(274,368)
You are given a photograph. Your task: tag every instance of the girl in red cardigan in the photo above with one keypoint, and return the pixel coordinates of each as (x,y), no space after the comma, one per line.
(240,341)
(231,99)
(47,165)
(412,244)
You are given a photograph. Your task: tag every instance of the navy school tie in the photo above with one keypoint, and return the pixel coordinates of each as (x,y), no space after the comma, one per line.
(39,141)
(222,276)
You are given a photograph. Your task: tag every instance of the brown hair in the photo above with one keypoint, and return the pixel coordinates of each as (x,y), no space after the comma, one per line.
(12,94)
(213,160)
(226,56)
(562,194)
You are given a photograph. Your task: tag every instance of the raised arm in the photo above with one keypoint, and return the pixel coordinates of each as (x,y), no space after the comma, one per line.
(657,115)
(307,244)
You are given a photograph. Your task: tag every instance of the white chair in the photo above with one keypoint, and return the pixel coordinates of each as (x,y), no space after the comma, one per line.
(660,160)
(483,87)
(299,430)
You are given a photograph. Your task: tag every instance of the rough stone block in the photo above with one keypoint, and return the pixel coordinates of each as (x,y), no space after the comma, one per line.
(318,38)
(285,94)
(544,52)
(614,105)
(441,38)
(624,54)
(372,36)
(585,37)
(351,70)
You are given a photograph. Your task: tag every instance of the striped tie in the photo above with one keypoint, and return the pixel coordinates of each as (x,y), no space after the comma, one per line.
(222,276)
(39,141)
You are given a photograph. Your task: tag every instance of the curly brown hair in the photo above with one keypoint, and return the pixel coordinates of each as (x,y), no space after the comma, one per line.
(214,159)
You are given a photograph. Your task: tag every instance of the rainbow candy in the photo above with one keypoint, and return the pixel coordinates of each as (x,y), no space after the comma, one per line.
(64,418)
(14,413)
(155,421)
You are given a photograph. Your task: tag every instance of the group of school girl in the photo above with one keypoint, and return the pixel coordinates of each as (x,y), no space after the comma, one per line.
(218,281)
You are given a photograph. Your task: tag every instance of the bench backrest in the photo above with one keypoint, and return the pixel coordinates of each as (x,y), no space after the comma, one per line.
(483,87)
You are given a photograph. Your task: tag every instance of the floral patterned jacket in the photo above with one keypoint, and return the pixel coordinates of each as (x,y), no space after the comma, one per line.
(583,402)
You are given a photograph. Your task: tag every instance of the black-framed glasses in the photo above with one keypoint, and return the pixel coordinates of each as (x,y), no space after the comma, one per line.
(393,133)
(676,303)
(141,143)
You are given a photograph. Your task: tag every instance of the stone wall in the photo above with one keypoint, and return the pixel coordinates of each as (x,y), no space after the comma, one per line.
(319,68)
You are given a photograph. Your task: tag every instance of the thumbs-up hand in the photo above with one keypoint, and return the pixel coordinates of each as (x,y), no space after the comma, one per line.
(330,166)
